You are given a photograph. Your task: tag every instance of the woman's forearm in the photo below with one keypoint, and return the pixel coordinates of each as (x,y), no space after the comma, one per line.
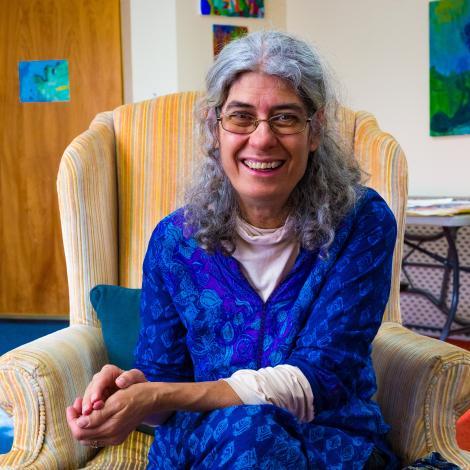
(193,396)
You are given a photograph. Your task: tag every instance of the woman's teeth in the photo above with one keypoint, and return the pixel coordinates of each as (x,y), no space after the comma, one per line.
(262,165)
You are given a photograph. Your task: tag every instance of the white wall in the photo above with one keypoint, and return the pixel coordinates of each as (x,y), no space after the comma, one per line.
(149,47)
(380,52)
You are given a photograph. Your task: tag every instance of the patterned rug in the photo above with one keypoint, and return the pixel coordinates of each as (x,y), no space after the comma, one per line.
(6,432)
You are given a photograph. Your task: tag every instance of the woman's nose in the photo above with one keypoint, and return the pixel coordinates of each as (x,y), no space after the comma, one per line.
(263,135)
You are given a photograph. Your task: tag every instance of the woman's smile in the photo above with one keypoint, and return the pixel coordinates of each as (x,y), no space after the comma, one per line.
(263,166)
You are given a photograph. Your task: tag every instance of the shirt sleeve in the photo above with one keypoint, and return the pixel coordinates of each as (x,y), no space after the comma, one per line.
(161,352)
(333,348)
(284,386)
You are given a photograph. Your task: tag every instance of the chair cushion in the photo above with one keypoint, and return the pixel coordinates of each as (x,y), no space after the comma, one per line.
(130,455)
(118,310)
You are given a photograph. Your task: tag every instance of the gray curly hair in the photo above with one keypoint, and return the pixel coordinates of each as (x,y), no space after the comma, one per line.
(329,187)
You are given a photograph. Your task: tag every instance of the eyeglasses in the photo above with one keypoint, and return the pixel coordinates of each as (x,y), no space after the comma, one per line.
(280,124)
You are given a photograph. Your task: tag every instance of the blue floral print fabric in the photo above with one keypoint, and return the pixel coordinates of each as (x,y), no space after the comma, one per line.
(202,320)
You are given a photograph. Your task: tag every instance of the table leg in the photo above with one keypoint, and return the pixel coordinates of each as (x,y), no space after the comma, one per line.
(453,260)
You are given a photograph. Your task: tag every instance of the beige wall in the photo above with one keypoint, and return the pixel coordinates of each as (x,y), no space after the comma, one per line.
(380,52)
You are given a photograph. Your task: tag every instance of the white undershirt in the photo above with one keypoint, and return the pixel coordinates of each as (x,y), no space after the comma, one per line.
(266,256)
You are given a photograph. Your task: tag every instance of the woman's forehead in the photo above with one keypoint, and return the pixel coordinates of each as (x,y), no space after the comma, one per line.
(260,89)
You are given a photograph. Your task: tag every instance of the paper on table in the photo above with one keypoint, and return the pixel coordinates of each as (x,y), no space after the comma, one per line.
(437,207)
(428,202)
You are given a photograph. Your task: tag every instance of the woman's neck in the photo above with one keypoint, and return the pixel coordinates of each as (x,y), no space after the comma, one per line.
(264,216)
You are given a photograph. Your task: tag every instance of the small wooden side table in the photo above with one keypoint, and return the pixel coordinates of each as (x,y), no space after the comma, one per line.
(450,264)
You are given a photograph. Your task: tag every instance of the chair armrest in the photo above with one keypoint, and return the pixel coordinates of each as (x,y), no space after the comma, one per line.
(37,382)
(423,388)
(87,192)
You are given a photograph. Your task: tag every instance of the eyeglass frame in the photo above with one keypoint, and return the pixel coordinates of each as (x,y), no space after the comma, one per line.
(257,121)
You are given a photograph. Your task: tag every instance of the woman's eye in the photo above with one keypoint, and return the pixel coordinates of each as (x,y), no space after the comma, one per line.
(241,116)
(241,119)
(285,119)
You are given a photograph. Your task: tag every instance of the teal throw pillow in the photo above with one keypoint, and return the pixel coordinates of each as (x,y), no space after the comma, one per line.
(118,309)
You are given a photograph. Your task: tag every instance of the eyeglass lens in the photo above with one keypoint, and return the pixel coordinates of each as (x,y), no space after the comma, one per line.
(284,124)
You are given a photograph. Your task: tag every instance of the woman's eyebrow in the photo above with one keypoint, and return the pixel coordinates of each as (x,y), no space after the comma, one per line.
(239,104)
(289,106)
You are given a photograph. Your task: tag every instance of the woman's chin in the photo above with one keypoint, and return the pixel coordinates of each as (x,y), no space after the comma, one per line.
(264,198)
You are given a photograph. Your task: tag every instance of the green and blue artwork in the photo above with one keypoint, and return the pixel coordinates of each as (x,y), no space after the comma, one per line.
(449,34)
(44,80)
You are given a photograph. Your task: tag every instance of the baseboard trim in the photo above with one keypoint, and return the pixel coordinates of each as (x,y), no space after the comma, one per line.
(33,317)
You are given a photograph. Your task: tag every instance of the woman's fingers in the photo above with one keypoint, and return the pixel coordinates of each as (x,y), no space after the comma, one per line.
(101,387)
(72,413)
(77,405)
(121,413)
(98,405)
(72,418)
(105,383)
(130,377)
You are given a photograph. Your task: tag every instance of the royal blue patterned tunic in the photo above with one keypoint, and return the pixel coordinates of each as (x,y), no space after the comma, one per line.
(202,320)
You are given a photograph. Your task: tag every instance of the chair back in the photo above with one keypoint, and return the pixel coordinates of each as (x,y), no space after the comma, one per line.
(156,153)
(129,170)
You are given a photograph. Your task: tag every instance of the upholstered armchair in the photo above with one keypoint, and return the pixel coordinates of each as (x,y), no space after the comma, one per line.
(115,182)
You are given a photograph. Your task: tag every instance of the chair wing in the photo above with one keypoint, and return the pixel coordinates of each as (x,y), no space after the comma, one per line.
(382,159)
(87,190)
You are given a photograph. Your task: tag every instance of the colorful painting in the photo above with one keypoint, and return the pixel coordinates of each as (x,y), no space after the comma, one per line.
(246,8)
(223,34)
(449,33)
(44,80)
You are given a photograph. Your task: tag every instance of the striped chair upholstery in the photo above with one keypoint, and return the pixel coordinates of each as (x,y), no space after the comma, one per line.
(116,180)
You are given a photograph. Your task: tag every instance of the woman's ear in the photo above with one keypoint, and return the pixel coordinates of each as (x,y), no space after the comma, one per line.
(318,123)
(212,118)
(314,142)
(216,140)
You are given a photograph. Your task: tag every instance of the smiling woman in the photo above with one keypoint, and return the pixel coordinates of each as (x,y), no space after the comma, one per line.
(260,297)
(272,77)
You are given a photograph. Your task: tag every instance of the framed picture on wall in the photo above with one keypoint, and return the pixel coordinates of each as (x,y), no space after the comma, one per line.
(44,81)
(449,80)
(223,34)
(245,8)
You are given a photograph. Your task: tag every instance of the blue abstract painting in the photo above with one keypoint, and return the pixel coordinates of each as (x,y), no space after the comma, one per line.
(449,35)
(44,81)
